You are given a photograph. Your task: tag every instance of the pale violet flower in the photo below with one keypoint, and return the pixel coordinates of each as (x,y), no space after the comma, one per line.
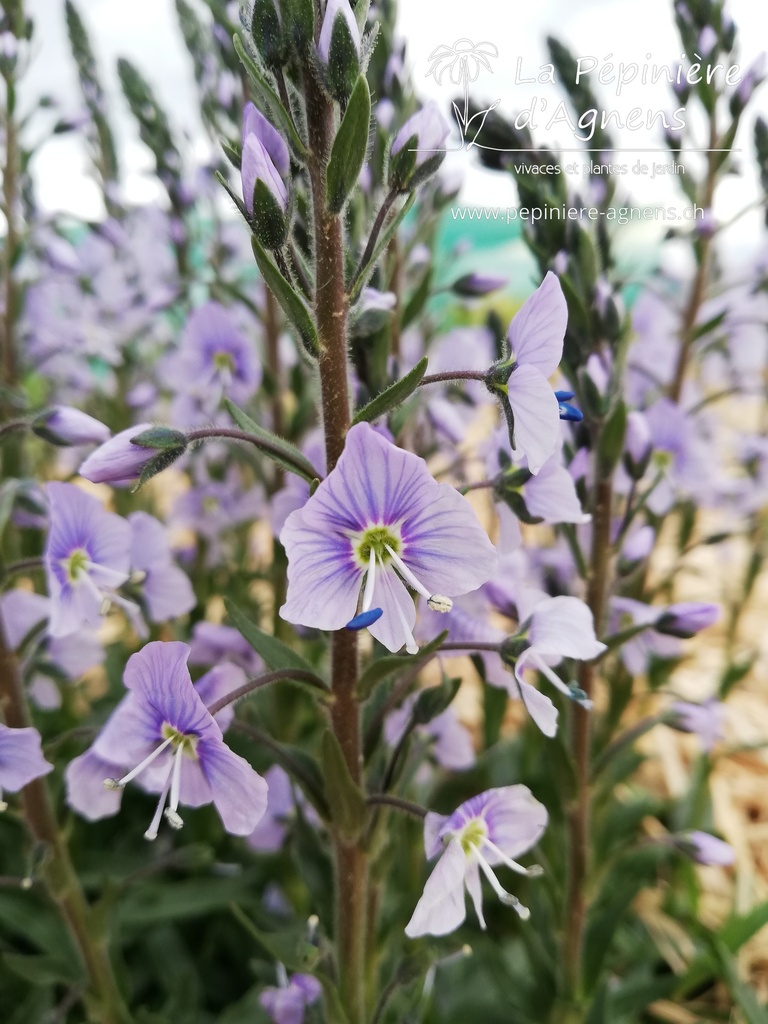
(377,525)
(535,339)
(556,628)
(488,831)
(162,734)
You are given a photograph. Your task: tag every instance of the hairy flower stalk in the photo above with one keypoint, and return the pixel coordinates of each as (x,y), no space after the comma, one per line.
(351,865)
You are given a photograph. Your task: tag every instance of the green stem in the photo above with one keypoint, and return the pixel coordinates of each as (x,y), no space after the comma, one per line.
(103,1000)
(350,859)
(579,817)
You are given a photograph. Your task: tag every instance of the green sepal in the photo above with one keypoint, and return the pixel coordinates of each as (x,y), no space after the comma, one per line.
(343,68)
(394,395)
(349,812)
(299,20)
(290,301)
(160,439)
(268,221)
(349,147)
(267,34)
(293,462)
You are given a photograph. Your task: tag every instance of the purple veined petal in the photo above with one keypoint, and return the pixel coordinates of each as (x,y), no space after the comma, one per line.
(395,627)
(86,793)
(169,594)
(21,758)
(445,546)
(167,589)
(433,843)
(159,677)
(239,793)
(551,495)
(254,123)
(441,908)
(563,627)
(538,328)
(515,819)
(131,733)
(219,682)
(323,579)
(537,419)
(474,888)
(539,707)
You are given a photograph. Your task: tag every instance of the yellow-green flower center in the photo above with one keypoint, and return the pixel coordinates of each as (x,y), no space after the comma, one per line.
(473,834)
(376,539)
(77,563)
(224,361)
(178,739)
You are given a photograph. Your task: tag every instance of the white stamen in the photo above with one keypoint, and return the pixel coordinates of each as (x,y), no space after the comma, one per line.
(407,574)
(506,897)
(532,872)
(151,832)
(437,602)
(282,975)
(410,644)
(119,783)
(137,576)
(369,581)
(171,813)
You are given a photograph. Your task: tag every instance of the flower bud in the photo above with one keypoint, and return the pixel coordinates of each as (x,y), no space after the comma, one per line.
(417,150)
(64,425)
(638,446)
(686,619)
(705,720)
(126,456)
(265,167)
(704,848)
(339,49)
(475,286)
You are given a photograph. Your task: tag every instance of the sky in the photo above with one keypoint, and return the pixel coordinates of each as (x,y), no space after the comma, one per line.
(146,32)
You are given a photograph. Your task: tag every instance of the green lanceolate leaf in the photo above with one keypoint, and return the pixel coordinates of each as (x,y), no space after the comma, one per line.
(394,395)
(611,442)
(275,653)
(288,947)
(349,147)
(292,304)
(432,702)
(282,452)
(347,800)
(270,99)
